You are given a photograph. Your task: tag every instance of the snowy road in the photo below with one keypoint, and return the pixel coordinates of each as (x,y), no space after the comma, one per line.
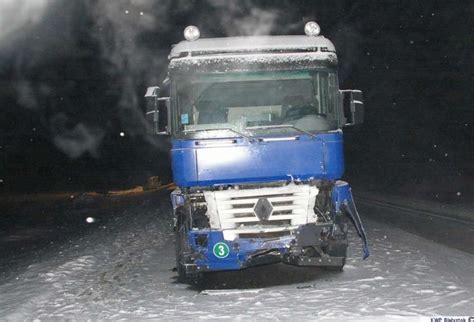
(123,269)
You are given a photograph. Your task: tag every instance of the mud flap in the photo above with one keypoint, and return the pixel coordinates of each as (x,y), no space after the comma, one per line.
(342,198)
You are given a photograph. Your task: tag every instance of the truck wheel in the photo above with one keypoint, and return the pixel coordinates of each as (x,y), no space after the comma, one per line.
(180,239)
(179,266)
(337,250)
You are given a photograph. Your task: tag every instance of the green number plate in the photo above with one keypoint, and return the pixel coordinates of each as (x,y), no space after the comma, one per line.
(221,250)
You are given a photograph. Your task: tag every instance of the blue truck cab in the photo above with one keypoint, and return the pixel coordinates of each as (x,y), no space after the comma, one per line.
(257,151)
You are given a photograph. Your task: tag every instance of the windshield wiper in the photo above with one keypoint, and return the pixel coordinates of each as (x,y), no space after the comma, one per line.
(280,126)
(250,139)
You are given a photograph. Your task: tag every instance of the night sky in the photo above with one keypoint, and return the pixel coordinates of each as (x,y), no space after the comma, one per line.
(73,74)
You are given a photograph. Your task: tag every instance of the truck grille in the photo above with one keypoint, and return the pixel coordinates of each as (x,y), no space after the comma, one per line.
(259,211)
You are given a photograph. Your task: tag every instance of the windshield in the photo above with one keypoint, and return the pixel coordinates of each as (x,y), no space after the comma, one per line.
(263,102)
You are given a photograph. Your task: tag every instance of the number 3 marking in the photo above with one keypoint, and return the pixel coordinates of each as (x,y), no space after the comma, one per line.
(221,250)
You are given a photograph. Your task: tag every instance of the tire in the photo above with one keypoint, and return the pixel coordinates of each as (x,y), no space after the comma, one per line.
(179,266)
(337,248)
(180,240)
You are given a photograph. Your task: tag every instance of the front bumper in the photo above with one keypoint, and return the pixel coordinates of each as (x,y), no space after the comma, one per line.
(296,249)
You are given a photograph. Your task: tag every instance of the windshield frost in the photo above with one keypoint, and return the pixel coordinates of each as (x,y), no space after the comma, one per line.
(246,102)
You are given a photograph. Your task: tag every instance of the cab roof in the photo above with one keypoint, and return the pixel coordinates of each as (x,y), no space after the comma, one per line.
(251,44)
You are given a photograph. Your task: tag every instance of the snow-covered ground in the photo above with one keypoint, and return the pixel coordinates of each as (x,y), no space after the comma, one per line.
(124,269)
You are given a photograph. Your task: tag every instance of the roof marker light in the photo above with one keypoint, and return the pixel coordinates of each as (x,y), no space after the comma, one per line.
(312,29)
(191,33)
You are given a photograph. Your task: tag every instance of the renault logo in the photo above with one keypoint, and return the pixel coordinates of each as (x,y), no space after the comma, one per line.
(263,209)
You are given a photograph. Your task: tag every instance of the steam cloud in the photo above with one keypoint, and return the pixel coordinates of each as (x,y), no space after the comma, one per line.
(79,140)
(133,37)
(16,15)
(120,24)
(242,18)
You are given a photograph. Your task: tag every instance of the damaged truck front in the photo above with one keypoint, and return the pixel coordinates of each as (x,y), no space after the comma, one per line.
(257,151)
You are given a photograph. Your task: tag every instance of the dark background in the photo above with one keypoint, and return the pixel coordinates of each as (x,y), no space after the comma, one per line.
(73,73)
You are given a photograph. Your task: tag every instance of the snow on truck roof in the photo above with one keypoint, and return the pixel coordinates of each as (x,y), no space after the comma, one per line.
(212,46)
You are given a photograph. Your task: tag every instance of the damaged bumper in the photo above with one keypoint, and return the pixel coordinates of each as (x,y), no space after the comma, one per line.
(313,244)
(211,252)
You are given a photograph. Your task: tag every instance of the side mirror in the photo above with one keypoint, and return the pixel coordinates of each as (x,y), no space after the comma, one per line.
(353,106)
(156,105)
